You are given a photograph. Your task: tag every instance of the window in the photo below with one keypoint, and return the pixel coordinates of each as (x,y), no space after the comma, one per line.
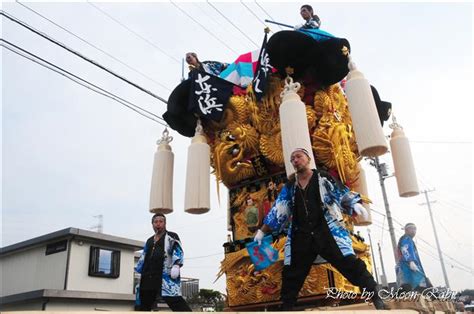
(104,262)
(56,247)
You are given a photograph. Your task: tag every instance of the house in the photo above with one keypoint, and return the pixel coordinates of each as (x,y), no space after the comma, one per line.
(70,269)
(189,287)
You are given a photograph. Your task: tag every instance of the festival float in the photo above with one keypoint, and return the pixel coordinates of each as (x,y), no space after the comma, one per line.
(301,89)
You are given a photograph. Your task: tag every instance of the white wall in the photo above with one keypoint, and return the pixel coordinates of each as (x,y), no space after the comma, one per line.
(79,279)
(31,270)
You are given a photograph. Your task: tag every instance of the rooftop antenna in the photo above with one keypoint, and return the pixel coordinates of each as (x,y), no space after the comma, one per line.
(100,226)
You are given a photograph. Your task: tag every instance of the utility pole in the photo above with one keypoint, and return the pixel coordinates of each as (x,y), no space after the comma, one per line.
(428,202)
(182,69)
(382,171)
(373,256)
(384,279)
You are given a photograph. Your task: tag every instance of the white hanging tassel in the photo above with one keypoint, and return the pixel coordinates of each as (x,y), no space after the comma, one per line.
(403,162)
(365,120)
(161,194)
(294,124)
(197,193)
(360,186)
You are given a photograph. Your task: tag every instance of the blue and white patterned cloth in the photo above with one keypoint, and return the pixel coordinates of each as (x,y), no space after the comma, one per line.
(174,255)
(407,252)
(336,200)
(316,34)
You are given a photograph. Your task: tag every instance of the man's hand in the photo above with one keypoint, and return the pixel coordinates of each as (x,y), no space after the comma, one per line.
(361,212)
(413,266)
(174,272)
(259,236)
(297,27)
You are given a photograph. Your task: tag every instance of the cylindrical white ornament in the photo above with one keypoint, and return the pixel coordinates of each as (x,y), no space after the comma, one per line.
(197,192)
(294,124)
(161,193)
(365,120)
(403,162)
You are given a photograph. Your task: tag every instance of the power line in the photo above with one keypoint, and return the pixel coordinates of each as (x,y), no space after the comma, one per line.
(441,142)
(383,225)
(92,45)
(420,238)
(465,268)
(438,246)
(455,240)
(71,77)
(34,58)
(251,11)
(433,255)
(266,13)
(134,32)
(183,228)
(447,201)
(422,179)
(455,203)
(452,206)
(235,26)
(429,244)
(377,212)
(203,27)
(54,41)
(204,256)
(220,25)
(444,254)
(382,214)
(379,224)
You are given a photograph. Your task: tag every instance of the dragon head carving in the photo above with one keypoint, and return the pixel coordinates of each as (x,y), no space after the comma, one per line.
(233,150)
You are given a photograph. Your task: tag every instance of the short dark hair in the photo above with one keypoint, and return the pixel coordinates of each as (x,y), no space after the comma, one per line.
(158,215)
(307,6)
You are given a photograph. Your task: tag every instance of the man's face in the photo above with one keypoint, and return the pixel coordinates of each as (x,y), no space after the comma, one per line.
(190,59)
(159,224)
(411,231)
(305,13)
(299,161)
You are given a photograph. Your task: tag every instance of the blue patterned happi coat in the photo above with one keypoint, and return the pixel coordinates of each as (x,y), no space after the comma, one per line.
(407,252)
(174,255)
(336,199)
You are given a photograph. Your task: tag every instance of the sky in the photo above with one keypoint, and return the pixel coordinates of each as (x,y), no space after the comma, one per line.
(69,154)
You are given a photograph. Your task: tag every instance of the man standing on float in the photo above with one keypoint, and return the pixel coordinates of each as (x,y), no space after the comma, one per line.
(410,273)
(313,201)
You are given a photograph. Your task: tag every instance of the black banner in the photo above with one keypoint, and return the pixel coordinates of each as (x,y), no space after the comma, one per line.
(259,82)
(209,95)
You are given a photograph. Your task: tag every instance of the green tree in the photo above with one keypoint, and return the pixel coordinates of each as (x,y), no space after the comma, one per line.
(208,298)
(469,292)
